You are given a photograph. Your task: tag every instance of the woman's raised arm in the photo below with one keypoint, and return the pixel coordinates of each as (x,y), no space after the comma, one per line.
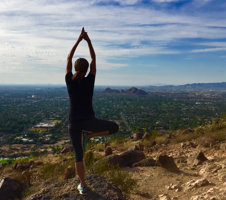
(70,55)
(92,54)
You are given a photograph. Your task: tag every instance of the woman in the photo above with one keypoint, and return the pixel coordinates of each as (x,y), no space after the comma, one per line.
(82,121)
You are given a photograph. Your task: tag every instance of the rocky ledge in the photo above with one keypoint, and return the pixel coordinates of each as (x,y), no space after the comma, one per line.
(101,189)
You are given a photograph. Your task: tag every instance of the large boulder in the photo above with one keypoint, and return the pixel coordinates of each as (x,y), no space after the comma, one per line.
(167,162)
(100,189)
(126,159)
(10,188)
(130,157)
(115,160)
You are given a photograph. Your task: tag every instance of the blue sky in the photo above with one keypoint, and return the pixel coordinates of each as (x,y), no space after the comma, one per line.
(136,42)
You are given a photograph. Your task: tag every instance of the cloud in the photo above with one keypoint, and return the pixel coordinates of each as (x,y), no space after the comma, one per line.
(208,50)
(166,1)
(41,33)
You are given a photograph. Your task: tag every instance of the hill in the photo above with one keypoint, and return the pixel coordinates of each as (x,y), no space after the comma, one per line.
(189,87)
(185,164)
(130,91)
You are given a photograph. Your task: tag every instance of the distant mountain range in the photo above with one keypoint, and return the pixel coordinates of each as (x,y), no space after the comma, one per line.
(168,88)
(188,87)
(132,91)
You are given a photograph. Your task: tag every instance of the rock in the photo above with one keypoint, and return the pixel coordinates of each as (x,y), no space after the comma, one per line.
(167,163)
(106,144)
(133,148)
(10,188)
(145,162)
(69,172)
(200,158)
(222,175)
(101,189)
(214,193)
(114,159)
(23,166)
(175,187)
(163,197)
(141,147)
(223,146)
(130,157)
(196,184)
(125,159)
(209,169)
(108,151)
(188,144)
(66,149)
(137,136)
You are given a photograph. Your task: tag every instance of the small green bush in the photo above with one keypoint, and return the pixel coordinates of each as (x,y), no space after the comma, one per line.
(118,139)
(52,170)
(114,174)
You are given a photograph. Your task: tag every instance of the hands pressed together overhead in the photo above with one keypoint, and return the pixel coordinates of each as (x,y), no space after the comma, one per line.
(83,35)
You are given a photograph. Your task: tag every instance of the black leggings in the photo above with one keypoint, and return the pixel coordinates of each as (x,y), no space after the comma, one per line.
(94,125)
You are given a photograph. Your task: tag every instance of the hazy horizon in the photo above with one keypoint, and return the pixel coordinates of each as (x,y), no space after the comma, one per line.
(137,42)
(111,85)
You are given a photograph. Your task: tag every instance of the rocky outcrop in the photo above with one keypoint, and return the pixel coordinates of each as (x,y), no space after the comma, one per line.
(167,162)
(131,91)
(100,189)
(126,159)
(10,188)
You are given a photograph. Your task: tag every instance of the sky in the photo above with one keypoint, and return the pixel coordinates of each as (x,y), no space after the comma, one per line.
(137,42)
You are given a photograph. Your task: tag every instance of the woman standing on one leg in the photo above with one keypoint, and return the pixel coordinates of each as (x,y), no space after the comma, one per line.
(81,116)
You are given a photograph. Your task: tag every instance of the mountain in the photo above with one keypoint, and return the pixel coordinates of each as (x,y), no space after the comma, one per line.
(188,87)
(135,91)
(131,91)
(109,90)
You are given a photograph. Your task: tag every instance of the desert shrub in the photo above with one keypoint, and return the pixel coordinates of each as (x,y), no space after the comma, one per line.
(90,158)
(52,170)
(180,137)
(217,124)
(116,175)
(118,139)
(24,177)
(162,139)
(99,147)
(149,140)
(7,161)
(206,141)
(200,130)
(220,135)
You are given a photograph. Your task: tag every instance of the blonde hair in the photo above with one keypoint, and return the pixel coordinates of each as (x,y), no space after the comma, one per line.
(81,65)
